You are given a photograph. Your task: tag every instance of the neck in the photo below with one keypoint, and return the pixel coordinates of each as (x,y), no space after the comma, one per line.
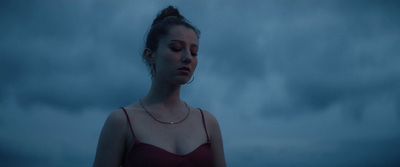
(164,94)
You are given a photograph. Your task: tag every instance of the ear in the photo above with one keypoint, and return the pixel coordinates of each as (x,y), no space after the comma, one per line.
(148,56)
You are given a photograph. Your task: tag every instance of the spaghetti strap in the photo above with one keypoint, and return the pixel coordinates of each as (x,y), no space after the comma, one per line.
(204,123)
(129,121)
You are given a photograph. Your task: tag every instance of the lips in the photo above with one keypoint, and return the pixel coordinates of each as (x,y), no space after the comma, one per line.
(184,69)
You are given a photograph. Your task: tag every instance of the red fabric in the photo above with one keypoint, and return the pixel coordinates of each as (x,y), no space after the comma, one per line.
(146,155)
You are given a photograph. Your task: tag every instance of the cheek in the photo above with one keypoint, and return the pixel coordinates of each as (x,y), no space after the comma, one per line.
(167,58)
(194,62)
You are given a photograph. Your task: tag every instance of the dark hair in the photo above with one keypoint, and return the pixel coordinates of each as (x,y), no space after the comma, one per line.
(165,19)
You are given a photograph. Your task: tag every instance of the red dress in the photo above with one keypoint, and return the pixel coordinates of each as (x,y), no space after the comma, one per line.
(147,155)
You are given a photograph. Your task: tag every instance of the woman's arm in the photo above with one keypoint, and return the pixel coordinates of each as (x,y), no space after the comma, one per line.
(111,147)
(217,147)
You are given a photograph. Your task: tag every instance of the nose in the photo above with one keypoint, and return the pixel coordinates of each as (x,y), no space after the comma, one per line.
(186,57)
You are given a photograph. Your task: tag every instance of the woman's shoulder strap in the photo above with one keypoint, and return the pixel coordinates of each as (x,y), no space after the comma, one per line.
(129,121)
(204,124)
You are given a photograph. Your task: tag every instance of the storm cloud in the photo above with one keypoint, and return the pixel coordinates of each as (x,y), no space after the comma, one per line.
(292,83)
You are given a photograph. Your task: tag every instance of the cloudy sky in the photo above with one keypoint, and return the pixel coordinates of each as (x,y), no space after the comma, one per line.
(292,83)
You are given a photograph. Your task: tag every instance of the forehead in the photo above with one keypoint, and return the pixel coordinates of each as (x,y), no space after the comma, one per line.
(182,33)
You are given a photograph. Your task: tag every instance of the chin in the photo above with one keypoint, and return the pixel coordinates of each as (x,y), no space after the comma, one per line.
(182,81)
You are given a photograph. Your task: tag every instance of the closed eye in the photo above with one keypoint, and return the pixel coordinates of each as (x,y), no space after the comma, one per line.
(176,49)
(178,46)
(193,50)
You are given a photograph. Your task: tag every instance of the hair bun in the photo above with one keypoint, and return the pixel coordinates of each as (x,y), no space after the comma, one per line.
(169,12)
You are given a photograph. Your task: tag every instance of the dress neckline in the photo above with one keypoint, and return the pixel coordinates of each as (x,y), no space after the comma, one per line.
(138,144)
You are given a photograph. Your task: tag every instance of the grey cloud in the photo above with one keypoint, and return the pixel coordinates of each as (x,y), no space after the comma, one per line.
(274,60)
(325,63)
(362,152)
(57,53)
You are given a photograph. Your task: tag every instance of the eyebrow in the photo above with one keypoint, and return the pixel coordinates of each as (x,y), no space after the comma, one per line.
(183,42)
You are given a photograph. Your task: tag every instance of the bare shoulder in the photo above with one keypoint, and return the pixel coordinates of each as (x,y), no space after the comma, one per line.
(217,147)
(117,116)
(209,118)
(111,145)
(116,120)
(211,123)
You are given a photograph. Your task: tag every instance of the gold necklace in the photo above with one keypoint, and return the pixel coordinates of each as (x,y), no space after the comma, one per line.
(164,122)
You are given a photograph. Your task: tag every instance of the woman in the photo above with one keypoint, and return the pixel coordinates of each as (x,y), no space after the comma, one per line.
(161,129)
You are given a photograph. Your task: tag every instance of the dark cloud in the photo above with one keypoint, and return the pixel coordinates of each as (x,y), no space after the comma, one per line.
(276,60)
(14,158)
(333,55)
(363,152)
(57,53)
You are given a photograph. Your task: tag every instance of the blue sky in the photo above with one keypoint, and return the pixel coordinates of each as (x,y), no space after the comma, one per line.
(292,83)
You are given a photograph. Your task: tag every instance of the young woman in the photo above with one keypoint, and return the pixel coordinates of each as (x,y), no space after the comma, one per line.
(161,129)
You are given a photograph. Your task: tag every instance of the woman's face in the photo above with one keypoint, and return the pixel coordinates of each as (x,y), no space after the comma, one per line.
(176,55)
